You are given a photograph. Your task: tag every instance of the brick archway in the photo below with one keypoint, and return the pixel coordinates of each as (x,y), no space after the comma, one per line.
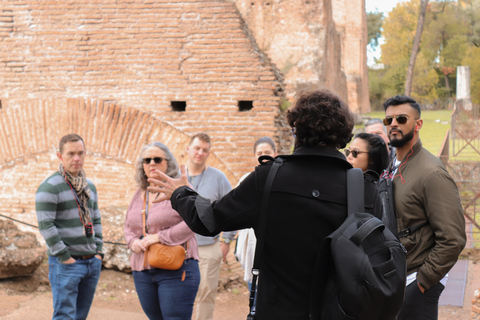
(29,136)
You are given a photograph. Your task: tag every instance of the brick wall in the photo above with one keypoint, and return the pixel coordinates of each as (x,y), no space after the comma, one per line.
(142,55)
(316,43)
(114,136)
(351,22)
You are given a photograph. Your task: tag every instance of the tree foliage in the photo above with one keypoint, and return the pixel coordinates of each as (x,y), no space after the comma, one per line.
(451,37)
(374,27)
(472,59)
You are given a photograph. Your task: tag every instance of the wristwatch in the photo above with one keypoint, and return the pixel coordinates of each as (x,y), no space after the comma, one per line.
(226,240)
(101,254)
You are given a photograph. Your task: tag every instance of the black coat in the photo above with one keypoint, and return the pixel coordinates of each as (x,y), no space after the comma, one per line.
(307,203)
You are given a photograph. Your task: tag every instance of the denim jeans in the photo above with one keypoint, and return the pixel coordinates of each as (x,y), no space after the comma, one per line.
(73,287)
(421,306)
(162,293)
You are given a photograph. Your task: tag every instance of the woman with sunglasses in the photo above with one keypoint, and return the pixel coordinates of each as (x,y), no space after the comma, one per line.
(163,294)
(369,152)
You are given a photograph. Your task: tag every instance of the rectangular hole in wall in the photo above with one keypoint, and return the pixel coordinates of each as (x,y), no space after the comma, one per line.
(244,105)
(178,105)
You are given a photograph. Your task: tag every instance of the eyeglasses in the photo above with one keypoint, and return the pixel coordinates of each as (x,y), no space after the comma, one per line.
(157,160)
(354,153)
(401,119)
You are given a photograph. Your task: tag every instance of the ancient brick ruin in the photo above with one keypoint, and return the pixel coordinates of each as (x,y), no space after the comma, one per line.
(126,72)
(314,44)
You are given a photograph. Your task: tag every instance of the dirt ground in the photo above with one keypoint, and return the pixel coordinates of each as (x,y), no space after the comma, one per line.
(115,298)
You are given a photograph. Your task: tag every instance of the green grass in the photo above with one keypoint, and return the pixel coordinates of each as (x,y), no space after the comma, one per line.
(435,125)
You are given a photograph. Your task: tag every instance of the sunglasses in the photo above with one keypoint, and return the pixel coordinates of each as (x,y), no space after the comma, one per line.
(354,153)
(157,160)
(402,119)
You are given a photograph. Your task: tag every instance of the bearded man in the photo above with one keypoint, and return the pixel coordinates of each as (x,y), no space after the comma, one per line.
(429,213)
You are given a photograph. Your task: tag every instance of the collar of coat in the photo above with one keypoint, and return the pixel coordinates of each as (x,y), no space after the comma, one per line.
(323,152)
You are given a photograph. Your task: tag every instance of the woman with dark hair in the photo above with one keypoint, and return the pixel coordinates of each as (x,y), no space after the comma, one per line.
(307,203)
(163,294)
(368,152)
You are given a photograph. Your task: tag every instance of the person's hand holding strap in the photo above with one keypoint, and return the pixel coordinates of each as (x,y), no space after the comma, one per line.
(150,239)
(165,185)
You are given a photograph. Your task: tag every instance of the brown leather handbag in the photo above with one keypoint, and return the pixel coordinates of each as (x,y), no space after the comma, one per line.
(159,255)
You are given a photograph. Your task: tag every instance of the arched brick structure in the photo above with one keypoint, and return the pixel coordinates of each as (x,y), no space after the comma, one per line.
(30,132)
(147,55)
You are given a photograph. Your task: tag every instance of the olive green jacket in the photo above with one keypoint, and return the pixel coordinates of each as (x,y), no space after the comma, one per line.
(425,192)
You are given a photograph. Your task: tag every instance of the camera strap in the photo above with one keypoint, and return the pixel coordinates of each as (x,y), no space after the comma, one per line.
(261,234)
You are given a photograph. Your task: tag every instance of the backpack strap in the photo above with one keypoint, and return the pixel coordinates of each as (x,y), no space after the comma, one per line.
(262,226)
(366,229)
(323,284)
(355,191)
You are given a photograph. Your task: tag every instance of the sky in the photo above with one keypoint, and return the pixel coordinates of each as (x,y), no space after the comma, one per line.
(384,6)
(381,5)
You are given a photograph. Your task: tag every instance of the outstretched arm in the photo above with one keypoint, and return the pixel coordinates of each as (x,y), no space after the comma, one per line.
(165,185)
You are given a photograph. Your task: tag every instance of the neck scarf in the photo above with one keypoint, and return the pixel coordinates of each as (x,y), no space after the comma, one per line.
(80,186)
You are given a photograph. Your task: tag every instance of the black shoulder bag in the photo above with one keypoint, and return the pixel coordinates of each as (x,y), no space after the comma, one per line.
(261,234)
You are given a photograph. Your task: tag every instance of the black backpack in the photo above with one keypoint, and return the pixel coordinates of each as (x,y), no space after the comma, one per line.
(361,269)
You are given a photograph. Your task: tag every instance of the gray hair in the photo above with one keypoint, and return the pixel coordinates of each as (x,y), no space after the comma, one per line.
(375,121)
(172,165)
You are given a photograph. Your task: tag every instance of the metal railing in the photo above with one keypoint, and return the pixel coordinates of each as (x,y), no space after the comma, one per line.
(463,163)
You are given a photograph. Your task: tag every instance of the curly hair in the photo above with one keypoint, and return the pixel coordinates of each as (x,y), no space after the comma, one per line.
(172,165)
(321,118)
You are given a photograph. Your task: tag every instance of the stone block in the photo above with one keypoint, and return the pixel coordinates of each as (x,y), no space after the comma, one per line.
(20,252)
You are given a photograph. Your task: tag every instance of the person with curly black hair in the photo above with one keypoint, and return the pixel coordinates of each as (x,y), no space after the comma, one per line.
(307,203)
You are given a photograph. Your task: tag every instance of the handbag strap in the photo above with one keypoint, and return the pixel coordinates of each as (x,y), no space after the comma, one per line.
(144,218)
(261,230)
(144,213)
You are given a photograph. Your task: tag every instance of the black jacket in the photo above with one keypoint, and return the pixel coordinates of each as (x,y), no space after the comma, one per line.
(307,203)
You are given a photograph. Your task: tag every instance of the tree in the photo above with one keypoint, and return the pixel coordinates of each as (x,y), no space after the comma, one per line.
(450,35)
(445,38)
(399,30)
(472,60)
(416,46)
(472,15)
(374,27)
